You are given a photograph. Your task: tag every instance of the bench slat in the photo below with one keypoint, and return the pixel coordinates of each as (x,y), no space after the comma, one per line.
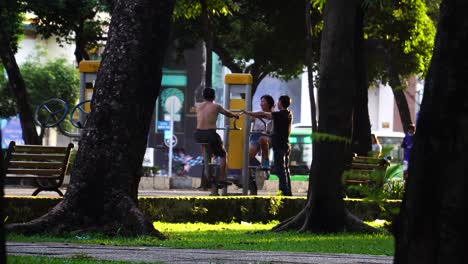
(366,166)
(31,176)
(42,172)
(38,157)
(35,165)
(39,149)
(357,181)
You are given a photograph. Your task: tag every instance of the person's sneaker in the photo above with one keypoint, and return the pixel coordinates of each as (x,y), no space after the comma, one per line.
(265,164)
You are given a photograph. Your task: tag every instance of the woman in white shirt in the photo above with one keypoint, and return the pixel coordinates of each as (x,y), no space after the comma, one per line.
(261,131)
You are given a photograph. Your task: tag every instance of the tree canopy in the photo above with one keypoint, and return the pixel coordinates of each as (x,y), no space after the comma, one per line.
(400,36)
(71,21)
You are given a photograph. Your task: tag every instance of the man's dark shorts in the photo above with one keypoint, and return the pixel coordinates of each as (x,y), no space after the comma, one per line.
(213,139)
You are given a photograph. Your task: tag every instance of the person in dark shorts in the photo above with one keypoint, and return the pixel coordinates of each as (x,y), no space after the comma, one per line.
(207,114)
(282,121)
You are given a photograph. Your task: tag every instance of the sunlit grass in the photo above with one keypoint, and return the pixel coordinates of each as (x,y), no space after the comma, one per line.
(239,236)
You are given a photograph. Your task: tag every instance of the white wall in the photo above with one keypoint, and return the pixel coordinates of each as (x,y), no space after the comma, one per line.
(28,47)
(381,108)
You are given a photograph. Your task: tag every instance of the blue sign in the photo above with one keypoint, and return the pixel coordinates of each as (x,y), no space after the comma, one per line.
(163,125)
(11,131)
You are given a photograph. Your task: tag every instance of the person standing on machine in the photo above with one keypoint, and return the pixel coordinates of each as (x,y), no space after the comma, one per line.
(282,121)
(207,114)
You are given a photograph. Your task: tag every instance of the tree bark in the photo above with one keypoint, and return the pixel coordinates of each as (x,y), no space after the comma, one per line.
(400,99)
(361,139)
(102,194)
(325,211)
(80,49)
(208,37)
(310,62)
(3,258)
(18,88)
(432,221)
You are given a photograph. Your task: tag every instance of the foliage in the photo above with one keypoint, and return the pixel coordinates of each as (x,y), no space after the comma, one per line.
(260,37)
(239,236)
(191,9)
(207,209)
(433,10)
(383,186)
(12,18)
(399,35)
(7,104)
(318,136)
(71,21)
(264,35)
(52,79)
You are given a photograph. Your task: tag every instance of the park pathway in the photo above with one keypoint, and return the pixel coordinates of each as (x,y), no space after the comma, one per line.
(182,256)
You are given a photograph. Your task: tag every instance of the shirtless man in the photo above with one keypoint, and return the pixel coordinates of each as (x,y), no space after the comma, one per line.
(207,114)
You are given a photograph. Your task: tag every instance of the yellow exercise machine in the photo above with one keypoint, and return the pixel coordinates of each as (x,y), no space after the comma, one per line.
(237,96)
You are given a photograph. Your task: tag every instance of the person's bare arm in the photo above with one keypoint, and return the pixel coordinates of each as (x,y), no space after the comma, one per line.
(259,114)
(227,112)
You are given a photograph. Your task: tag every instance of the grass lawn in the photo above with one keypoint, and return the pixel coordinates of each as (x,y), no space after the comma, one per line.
(237,236)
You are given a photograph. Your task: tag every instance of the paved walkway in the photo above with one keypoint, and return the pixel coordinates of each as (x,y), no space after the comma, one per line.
(27,191)
(181,256)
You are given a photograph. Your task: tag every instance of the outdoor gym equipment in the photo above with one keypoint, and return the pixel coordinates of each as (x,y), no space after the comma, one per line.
(81,111)
(52,112)
(211,168)
(238,95)
(257,173)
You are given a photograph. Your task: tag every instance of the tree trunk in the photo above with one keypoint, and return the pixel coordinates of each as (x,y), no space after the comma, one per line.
(2,206)
(325,211)
(361,139)
(400,99)
(18,88)
(432,222)
(208,37)
(80,50)
(309,62)
(102,194)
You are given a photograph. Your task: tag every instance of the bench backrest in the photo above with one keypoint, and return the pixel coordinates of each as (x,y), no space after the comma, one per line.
(42,161)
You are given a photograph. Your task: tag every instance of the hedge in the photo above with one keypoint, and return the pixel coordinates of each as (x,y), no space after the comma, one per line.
(208,209)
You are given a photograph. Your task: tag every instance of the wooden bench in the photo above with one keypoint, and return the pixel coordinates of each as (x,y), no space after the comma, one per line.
(367,171)
(47,165)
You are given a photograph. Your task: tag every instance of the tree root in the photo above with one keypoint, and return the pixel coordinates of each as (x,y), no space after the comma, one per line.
(300,223)
(122,218)
(293,223)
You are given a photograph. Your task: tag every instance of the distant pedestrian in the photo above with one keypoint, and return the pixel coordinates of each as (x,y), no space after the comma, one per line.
(376,147)
(407,144)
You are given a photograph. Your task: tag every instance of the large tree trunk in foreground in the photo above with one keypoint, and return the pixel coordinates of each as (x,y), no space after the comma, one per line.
(2,206)
(325,210)
(102,195)
(432,225)
(18,88)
